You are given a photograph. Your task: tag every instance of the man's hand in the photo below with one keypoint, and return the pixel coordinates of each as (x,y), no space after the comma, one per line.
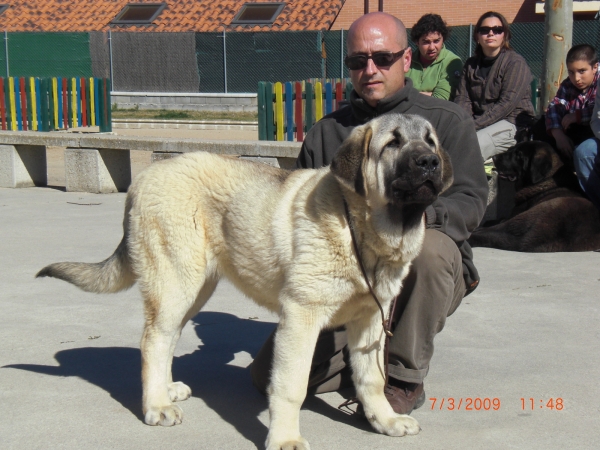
(427,93)
(568,120)
(563,144)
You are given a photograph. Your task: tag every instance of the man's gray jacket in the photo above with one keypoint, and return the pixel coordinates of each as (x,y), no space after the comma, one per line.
(459,209)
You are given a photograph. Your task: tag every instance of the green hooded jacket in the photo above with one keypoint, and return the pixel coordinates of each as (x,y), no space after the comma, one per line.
(441,77)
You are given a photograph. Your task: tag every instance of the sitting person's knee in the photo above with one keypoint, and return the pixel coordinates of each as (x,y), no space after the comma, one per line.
(438,251)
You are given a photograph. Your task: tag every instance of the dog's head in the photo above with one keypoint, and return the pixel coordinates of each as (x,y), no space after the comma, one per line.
(396,160)
(528,163)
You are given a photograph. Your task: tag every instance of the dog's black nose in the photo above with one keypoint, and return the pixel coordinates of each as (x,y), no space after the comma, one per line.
(428,162)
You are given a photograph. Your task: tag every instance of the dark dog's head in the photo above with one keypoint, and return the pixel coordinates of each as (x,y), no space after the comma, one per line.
(528,163)
(394,161)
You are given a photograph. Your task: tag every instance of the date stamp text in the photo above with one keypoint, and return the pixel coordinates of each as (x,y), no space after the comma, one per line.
(494,404)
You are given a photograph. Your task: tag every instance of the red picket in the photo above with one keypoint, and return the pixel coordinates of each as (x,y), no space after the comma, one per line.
(83,103)
(23,94)
(338,95)
(299,122)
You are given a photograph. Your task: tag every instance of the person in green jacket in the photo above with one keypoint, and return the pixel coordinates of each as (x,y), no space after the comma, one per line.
(434,70)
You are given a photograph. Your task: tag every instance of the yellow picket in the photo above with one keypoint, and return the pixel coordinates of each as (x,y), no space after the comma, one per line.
(318,101)
(13,107)
(279,111)
(74,108)
(92,104)
(34,100)
(55,98)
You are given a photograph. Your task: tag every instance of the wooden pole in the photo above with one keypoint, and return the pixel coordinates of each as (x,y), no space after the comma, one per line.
(557,42)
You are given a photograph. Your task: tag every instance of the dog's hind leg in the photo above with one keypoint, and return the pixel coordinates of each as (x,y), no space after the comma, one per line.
(178,391)
(295,342)
(169,305)
(366,345)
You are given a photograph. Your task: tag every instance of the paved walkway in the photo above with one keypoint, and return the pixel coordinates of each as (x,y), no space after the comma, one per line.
(526,340)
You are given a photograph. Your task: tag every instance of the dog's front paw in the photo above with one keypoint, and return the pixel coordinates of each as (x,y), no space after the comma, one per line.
(166,416)
(399,425)
(179,392)
(293,444)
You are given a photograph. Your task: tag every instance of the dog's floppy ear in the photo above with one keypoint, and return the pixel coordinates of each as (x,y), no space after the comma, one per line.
(347,165)
(447,172)
(541,166)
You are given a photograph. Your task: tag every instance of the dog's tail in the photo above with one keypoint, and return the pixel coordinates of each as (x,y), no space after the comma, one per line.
(114,274)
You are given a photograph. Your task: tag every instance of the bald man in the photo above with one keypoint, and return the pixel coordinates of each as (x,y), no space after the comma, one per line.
(439,278)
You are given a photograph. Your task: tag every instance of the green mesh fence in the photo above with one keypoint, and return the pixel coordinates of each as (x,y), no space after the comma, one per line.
(47,55)
(231,62)
(254,57)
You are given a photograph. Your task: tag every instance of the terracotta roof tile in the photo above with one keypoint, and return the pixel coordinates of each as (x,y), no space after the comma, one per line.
(179,16)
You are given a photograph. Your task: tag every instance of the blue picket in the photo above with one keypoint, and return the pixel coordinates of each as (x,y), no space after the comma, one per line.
(289,111)
(328,98)
(78,87)
(17,103)
(38,104)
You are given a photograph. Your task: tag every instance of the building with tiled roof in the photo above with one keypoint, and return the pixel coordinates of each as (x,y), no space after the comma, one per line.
(177,15)
(290,15)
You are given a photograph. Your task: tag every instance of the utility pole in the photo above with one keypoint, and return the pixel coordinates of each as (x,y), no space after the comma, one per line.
(557,42)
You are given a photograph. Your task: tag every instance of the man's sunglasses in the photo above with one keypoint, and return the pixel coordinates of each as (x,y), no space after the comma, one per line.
(380,59)
(484,31)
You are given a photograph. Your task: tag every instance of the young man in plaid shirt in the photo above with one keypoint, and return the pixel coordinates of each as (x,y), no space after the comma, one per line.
(568,115)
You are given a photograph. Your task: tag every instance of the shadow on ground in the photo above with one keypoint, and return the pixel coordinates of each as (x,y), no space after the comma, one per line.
(225,388)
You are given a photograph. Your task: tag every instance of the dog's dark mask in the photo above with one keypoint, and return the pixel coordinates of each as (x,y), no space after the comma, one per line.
(527,163)
(417,175)
(417,169)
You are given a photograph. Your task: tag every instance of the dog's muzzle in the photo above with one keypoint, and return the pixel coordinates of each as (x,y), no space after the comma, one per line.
(428,163)
(417,178)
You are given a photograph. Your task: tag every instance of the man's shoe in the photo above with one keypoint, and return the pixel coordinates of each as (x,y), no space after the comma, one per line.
(404,397)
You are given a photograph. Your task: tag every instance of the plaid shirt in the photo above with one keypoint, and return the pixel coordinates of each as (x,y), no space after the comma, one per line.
(568,100)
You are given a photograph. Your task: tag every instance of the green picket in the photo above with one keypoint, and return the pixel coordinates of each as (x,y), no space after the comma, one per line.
(269,111)
(108,107)
(262,112)
(100,105)
(348,89)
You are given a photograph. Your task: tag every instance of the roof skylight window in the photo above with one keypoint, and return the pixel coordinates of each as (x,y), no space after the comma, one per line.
(258,13)
(139,13)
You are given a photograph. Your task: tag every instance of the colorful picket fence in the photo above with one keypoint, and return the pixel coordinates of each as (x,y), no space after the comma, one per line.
(288,110)
(46,104)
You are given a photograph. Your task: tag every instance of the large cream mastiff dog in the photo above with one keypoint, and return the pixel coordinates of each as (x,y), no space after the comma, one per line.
(283,238)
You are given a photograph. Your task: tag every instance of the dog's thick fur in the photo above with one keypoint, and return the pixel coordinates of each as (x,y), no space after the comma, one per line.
(283,239)
(550,214)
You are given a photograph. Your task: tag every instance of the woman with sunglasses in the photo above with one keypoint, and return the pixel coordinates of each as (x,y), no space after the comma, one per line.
(435,70)
(495,87)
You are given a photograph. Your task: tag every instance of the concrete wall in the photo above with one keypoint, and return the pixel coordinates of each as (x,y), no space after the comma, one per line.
(186,101)
(100,163)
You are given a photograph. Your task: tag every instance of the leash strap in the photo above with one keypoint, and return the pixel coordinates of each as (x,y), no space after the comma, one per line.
(384,322)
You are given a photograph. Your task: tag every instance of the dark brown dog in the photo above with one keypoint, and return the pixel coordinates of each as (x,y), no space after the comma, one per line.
(550,214)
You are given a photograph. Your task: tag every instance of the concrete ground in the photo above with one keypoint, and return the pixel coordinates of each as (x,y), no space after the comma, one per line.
(519,359)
